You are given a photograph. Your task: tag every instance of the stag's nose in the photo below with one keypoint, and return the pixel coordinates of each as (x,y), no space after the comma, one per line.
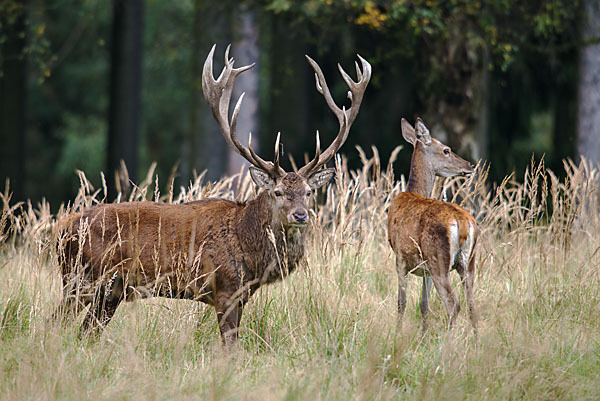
(300,216)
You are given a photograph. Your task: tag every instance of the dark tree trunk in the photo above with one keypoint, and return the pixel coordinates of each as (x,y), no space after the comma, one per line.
(222,23)
(588,127)
(204,146)
(13,105)
(458,111)
(125,89)
(291,92)
(565,110)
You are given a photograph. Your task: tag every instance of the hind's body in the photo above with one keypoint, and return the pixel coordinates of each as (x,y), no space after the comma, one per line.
(429,237)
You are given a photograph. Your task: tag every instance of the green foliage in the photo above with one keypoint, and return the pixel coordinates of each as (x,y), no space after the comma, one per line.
(84,147)
(15,315)
(167,82)
(502,26)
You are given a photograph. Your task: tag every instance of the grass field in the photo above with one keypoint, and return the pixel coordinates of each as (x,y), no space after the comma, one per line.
(329,331)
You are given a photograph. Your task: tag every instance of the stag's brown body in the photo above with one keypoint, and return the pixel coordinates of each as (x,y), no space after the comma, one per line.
(214,250)
(430,237)
(155,239)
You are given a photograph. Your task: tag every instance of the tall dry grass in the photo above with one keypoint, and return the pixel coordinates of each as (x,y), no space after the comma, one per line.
(329,331)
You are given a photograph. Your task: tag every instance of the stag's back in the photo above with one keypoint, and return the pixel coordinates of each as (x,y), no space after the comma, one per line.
(146,236)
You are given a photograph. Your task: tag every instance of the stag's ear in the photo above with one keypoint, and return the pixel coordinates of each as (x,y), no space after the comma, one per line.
(262,178)
(321,177)
(408,132)
(423,134)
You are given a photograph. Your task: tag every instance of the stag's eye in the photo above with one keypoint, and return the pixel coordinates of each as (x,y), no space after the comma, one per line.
(278,193)
(446,151)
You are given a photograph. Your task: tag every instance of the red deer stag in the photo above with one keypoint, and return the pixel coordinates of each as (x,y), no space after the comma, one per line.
(428,236)
(214,250)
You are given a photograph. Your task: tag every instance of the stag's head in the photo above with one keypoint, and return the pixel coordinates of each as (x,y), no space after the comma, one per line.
(437,156)
(289,191)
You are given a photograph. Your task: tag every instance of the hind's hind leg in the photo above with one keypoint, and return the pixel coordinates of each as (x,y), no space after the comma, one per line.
(467,275)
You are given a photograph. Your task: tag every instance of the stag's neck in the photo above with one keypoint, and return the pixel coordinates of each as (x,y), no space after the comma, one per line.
(257,223)
(421,177)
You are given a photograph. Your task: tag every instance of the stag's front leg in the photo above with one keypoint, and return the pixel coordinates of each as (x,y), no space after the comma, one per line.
(229,310)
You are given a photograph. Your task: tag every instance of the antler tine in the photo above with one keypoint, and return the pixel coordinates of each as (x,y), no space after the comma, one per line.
(272,168)
(276,157)
(322,87)
(311,165)
(256,160)
(358,71)
(337,143)
(345,119)
(218,96)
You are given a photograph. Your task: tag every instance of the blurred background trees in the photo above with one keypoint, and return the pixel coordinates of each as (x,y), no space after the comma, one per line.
(85,83)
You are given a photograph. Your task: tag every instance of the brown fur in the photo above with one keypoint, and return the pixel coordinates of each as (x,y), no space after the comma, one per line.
(420,228)
(215,251)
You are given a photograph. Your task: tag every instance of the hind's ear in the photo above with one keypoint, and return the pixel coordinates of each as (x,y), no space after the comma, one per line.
(408,132)
(261,178)
(422,133)
(320,178)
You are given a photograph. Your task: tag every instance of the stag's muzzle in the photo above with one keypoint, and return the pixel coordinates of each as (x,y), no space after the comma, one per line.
(298,217)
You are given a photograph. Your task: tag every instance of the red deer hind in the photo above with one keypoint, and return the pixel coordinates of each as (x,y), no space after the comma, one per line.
(428,236)
(213,250)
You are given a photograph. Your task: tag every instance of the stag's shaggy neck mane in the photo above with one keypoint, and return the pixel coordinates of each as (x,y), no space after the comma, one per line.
(264,263)
(421,177)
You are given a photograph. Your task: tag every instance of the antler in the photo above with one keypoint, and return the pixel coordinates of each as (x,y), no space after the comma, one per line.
(345,118)
(218,95)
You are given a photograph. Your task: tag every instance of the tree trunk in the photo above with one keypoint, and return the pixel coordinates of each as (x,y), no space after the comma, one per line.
(13,104)
(245,51)
(458,114)
(291,91)
(125,90)
(564,110)
(588,118)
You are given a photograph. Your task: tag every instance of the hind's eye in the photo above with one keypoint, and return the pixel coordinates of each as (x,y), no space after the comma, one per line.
(446,151)
(308,193)
(278,193)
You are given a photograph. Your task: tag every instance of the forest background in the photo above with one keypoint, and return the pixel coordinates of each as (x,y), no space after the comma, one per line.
(85,84)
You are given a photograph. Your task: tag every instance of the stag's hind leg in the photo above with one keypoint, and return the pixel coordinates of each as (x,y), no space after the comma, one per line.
(107,298)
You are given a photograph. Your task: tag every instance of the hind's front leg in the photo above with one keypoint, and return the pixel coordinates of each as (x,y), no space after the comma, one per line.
(402,272)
